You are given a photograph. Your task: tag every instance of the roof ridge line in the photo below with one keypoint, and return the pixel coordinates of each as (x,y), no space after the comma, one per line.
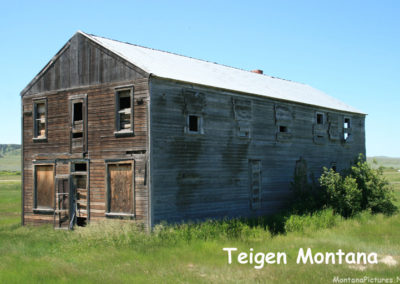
(203,60)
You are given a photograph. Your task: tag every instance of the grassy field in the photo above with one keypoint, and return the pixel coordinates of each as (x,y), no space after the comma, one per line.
(115,252)
(10,158)
(386,162)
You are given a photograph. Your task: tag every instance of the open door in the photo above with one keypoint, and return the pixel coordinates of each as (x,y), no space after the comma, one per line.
(62,200)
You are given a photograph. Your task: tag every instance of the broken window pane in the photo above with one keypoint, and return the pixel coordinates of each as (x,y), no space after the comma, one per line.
(40,120)
(124,110)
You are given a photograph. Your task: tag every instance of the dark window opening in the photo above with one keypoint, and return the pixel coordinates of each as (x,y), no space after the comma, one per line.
(78,112)
(124,112)
(346,123)
(333,166)
(124,101)
(283,129)
(320,118)
(193,123)
(80,167)
(77,135)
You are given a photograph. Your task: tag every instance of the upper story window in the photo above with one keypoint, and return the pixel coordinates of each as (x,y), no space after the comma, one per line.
(320,118)
(78,121)
(194,124)
(346,129)
(40,119)
(124,111)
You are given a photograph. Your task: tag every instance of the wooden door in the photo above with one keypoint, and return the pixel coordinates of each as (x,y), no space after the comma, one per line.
(63,210)
(120,197)
(45,186)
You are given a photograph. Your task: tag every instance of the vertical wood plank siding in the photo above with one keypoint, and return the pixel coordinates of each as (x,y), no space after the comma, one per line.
(84,68)
(196,176)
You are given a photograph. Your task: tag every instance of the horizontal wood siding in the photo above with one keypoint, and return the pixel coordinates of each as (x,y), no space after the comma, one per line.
(196,176)
(85,68)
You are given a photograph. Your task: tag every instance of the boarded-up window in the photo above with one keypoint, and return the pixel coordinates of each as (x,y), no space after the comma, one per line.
(120,193)
(255,184)
(44,186)
(40,119)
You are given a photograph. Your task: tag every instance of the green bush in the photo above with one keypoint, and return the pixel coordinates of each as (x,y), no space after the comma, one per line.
(357,189)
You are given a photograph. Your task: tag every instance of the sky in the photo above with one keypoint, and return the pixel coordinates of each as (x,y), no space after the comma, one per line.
(348,49)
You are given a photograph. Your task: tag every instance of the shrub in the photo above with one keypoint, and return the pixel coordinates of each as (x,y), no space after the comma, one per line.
(360,188)
(357,189)
(377,194)
(342,194)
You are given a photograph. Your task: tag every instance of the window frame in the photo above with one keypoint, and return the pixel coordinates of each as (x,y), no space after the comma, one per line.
(118,131)
(36,102)
(108,212)
(347,130)
(43,210)
(316,118)
(79,127)
(200,129)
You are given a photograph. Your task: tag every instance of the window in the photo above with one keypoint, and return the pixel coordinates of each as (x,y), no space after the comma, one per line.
(120,193)
(283,129)
(78,120)
(124,110)
(44,187)
(40,119)
(333,166)
(194,124)
(77,113)
(346,129)
(320,118)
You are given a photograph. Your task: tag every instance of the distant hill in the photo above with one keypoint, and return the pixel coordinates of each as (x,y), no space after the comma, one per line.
(382,161)
(10,157)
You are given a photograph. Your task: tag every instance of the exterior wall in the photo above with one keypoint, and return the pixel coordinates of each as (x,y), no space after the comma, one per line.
(197,176)
(102,144)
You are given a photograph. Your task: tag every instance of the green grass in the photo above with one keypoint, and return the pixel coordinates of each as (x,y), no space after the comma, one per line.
(387,162)
(115,252)
(10,160)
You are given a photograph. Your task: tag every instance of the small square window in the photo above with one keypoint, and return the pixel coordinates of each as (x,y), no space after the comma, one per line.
(283,129)
(194,124)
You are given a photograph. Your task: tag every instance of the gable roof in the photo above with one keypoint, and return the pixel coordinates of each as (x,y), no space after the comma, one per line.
(181,68)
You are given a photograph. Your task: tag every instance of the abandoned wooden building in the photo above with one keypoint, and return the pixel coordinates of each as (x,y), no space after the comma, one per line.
(116,130)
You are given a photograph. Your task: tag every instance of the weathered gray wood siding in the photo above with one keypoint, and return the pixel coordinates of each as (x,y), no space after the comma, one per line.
(82,62)
(85,68)
(195,176)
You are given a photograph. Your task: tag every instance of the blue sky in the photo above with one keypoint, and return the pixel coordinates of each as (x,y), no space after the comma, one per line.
(348,49)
